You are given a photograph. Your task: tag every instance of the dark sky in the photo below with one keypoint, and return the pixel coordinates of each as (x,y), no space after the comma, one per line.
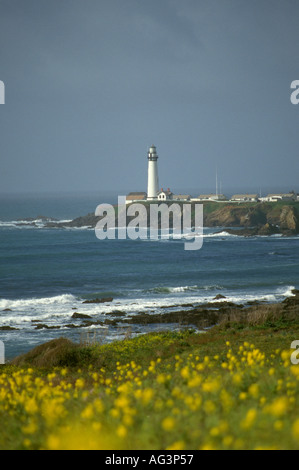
(91,84)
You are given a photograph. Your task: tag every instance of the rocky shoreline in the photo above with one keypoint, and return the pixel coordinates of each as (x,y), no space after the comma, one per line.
(201,316)
(208,315)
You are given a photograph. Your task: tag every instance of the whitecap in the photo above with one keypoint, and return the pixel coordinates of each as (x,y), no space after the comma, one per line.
(34,302)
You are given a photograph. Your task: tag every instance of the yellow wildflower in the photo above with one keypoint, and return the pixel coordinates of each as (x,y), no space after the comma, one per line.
(88,412)
(254,390)
(178,445)
(80,383)
(250,418)
(278,407)
(295,429)
(168,423)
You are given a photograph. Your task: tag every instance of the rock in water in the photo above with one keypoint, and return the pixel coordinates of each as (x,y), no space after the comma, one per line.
(98,301)
(80,315)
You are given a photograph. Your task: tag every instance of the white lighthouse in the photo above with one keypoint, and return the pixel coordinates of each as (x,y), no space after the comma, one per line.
(153,181)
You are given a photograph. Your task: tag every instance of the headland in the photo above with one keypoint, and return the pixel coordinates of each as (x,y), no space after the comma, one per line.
(246,219)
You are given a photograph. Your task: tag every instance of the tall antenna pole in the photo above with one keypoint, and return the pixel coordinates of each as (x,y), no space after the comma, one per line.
(216,181)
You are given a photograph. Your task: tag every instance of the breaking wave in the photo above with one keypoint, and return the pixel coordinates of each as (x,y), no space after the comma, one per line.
(173,290)
(29,223)
(36,302)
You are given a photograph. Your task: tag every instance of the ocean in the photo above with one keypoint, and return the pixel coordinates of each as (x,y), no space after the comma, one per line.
(46,274)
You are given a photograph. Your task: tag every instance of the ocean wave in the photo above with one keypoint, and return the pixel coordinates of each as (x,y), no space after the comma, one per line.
(84,227)
(103,294)
(30,223)
(57,311)
(204,293)
(173,290)
(286,291)
(277,296)
(36,302)
(219,234)
(224,234)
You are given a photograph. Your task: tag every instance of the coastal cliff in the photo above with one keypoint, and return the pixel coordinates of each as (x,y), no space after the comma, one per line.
(248,218)
(256,219)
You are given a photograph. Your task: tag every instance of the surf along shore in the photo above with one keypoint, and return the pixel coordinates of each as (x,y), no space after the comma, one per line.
(205,316)
(220,313)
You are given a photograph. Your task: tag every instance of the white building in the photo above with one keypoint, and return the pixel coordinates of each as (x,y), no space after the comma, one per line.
(182,197)
(152,177)
(169,196)
(245,198)
(211,197)
(279,197)
(165,195)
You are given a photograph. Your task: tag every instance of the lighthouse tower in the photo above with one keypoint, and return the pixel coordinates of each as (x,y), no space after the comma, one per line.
(152,182)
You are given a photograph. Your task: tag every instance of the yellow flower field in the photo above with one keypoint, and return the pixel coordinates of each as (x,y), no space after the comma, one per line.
(178,396)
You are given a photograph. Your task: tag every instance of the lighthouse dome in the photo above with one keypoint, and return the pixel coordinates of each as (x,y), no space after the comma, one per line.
(152,154)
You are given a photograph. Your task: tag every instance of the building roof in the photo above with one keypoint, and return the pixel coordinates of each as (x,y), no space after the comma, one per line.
(165,192)
(136,195)
(210,195)
(282,195)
